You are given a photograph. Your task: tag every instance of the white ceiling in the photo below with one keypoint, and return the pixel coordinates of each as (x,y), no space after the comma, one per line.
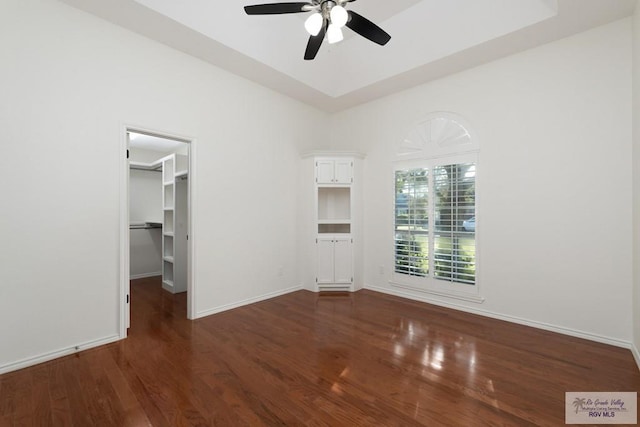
(430,39)
(154,143)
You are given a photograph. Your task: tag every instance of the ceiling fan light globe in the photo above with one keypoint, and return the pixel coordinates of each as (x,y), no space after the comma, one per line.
(334,34)
(339,16)
(313,24)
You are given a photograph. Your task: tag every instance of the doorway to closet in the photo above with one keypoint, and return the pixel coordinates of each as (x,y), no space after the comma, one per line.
(158,188)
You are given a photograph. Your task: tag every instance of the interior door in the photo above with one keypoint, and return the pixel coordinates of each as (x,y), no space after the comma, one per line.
(126,248)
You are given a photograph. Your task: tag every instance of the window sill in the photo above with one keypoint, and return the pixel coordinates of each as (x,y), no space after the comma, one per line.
(454,295)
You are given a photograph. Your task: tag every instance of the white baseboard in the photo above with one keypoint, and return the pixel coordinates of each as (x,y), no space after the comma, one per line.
(31,361)
(636,354)
(145,275)
(507,318)
(231,306)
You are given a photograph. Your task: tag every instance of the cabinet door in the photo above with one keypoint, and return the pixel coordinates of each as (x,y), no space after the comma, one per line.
(342,260)
(324,172)
(343,172)
(325,259)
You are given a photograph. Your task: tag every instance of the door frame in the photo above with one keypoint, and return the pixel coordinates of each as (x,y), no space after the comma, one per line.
(124,306)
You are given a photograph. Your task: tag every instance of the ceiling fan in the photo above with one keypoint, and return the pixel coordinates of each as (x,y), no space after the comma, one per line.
(329,16)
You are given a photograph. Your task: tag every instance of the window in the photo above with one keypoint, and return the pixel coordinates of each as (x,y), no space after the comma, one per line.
(412,222)
(435,222)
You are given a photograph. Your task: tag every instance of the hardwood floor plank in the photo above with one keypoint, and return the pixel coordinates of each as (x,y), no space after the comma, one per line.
(60,408)
(24,402)
(146,395)
(5,410)
(80,413)
(134,414)
(7,390)
(357,359)
(41,400)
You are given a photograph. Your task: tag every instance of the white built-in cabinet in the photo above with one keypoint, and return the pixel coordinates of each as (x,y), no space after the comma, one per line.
(333,223)
(334,171)
(174,168)
(335,264)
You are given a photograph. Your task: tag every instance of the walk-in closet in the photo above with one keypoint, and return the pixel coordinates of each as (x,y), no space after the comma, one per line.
(158,210)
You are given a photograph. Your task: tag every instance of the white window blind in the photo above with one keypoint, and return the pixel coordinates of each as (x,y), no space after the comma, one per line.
(412,222)
(454,234)
(435,214)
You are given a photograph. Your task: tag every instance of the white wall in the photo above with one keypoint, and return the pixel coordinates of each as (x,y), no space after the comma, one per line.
(145,205)
(636,183)
(70,83)
(554,184)
(145,196)
(145,252)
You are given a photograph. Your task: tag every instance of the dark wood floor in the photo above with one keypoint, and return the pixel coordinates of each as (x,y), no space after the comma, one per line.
(364,359)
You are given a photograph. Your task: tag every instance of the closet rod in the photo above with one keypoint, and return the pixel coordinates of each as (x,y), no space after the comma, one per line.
(144,226)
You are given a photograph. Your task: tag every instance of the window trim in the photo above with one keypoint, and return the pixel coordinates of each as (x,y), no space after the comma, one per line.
(430,284)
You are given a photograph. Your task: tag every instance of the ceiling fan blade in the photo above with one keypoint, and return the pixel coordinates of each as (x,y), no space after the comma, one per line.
(314,43)
(275,8)
(367,29)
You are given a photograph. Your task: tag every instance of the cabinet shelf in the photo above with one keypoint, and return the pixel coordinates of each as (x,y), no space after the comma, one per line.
(334,204)
(167,271)
(169,196)
(168,222)
(334,228)
(334,221)
(175,208)
(168,169)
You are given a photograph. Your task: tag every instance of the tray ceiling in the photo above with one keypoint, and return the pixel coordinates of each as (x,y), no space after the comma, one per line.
(430,39)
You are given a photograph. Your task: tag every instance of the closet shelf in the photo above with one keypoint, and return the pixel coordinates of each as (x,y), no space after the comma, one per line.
(155,166)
